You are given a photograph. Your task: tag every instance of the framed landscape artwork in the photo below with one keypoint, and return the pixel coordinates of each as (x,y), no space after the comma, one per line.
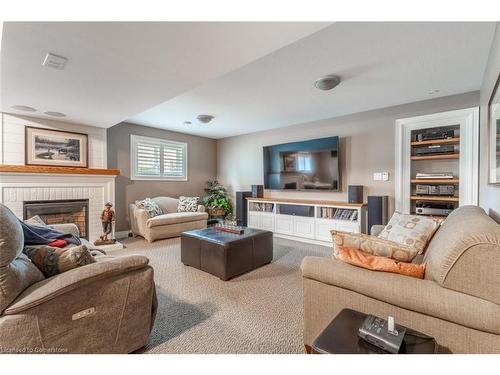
(56,148)
(494,128)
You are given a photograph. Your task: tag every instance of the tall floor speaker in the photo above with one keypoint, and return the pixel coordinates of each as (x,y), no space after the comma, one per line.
(378,207)
(242,207)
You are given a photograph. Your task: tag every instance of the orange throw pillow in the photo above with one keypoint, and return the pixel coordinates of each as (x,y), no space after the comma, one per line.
(376,263)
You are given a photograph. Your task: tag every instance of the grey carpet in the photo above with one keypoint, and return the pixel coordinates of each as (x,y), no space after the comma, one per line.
(259,312)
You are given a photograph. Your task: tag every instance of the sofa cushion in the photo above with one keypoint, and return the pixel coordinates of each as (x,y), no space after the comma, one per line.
(373,245)
(176,218)
(35,220)
(467,229)
(419,295)
(16,271)
(410,230)
(167,204)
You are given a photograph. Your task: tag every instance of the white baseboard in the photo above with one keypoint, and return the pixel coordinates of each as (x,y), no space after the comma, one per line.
(303,239)
(122,234)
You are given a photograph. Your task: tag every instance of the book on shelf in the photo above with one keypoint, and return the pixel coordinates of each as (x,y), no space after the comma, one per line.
(338,214)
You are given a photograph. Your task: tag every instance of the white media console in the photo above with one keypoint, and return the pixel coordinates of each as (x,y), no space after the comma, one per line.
(310,221)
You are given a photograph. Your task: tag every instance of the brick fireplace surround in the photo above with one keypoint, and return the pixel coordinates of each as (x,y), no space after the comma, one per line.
(17,188)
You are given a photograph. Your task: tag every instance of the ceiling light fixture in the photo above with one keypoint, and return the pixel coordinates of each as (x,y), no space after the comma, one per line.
(205,119)
(432,92)
(23,108)
(55,114)
(327,82)
(187,122)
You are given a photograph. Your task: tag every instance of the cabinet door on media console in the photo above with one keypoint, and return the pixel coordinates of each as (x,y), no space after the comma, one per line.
(284,224)
(303,226)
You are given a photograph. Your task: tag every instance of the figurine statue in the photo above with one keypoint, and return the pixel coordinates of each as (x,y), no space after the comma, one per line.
(107,218)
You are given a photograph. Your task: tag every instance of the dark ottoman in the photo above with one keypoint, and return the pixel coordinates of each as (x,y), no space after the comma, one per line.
(226,255)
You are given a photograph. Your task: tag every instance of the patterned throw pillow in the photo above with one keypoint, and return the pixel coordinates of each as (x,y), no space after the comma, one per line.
(53,261)
(372,245)
(150,206)
(188,204)
(410,230)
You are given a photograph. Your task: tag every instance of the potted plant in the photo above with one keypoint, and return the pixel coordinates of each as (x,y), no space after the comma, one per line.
(216,200)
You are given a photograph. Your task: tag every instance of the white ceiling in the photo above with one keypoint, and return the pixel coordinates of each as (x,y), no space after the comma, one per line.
(381,64)
(251,76)
(119,69)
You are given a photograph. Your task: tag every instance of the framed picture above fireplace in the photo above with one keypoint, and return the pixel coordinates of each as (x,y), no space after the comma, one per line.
(56,148)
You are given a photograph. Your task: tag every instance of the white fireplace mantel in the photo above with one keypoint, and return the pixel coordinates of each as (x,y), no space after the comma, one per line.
(15,188)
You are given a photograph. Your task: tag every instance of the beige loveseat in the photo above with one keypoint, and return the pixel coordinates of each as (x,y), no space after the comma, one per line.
(170,224)
(458,302)
(103,307)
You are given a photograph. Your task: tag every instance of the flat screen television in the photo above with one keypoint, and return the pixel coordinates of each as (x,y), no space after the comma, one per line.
(307,165)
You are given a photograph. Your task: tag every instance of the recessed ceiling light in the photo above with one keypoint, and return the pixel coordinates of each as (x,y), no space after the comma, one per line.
(205,119)
(187,122)
(432,92)
(54,61)
(327,82)
(23,108)
(55,114)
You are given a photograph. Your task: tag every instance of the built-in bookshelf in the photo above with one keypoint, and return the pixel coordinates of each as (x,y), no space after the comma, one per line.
(439,192)
(306,220)
(437,161)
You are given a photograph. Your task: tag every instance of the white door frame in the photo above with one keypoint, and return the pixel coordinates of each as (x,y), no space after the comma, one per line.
(468,119)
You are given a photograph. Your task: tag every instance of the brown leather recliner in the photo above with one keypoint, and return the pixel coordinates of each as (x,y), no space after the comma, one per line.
(104,307)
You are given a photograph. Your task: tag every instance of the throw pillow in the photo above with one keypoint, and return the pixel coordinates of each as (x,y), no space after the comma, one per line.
(35,220)
(53,261)
(372,245)
(375,263)
(150,206)
(188,204)
(410,230)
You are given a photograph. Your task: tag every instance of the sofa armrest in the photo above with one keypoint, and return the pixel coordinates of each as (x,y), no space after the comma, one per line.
(55,286)
(201,208)
(420,295)
(376,229)
(141,218)
(68,228)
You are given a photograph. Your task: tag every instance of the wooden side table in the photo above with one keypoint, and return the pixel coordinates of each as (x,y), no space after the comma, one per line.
(341,337)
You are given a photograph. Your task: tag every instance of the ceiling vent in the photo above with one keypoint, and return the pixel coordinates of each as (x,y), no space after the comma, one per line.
(55,61)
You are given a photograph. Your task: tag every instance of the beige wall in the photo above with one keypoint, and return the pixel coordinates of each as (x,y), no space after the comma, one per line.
(489,195)
(202,164)
(367,142)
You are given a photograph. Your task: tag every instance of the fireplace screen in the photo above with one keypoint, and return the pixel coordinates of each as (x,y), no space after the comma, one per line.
(61,212)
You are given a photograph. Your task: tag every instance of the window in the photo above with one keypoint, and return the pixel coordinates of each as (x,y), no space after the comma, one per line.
(157,159)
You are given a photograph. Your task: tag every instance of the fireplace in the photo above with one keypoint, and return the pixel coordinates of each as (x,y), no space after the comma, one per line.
(74,211)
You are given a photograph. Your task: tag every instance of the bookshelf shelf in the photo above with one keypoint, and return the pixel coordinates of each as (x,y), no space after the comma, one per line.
(434,198)
(436,142)
(437,157)
(435,181)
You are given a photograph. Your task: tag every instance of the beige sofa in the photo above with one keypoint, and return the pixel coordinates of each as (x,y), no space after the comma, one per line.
(103,307)
(458,302)
(170,224)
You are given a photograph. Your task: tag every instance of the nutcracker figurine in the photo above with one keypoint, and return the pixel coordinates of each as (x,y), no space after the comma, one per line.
(107,219)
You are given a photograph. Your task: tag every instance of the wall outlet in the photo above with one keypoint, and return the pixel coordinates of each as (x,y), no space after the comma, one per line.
(381,176)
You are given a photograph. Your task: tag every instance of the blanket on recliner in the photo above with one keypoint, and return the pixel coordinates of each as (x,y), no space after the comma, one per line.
(38,235)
